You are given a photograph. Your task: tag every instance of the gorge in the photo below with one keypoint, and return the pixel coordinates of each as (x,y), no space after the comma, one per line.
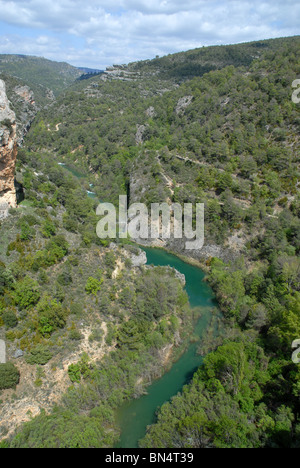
(104,336)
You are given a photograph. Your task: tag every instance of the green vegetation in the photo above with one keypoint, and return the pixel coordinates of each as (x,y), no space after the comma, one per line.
(39,355)
(71,430)
(9,376)
(38,72)
(197,62)
(56,282)
(214,125)
(93,285)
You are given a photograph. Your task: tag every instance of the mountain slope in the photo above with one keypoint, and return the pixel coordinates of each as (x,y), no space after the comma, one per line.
(161,131)
(36,71)
(228,138)
(186,65)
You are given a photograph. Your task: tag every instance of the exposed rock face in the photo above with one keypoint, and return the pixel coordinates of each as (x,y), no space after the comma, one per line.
(140,259)
(150,112)
(26,110)
(183,103)
(8,154)
(139,137)
(25,93)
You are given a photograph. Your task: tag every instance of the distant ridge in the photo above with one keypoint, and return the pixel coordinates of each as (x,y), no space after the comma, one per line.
(90,70)
(56,76)
(89,73)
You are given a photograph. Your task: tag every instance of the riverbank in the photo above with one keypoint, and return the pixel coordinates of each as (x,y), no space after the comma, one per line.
(178,363)
(134,417)
(202,264)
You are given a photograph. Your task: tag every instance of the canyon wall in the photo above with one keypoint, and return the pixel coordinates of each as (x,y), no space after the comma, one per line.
(8,154)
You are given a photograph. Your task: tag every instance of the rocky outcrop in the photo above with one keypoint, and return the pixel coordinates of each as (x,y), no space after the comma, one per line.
(140,259)
(139,137)
(25,93)
(120,72)
(183,103)
(150,112)
(8,154)
(26,109)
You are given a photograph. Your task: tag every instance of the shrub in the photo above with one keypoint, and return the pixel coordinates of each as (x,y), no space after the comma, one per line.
(52,316)
(10,319)
(7,123)
(48,228)
(82,369)
(9,376)
(26,293)
(65,278)
(61,242)
(6,279)
(76,309)
(75,335)
(27,232)
(30,219)
(39,355)
(96,335)
(74,373)
(93,285)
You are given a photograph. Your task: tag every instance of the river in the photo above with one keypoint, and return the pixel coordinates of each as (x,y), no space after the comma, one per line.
(134,417)
(79,175)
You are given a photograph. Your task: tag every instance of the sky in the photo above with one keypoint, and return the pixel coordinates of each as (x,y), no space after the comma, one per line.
(98,33)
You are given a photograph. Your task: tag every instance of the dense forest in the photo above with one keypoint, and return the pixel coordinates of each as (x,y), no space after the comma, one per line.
(214,126)
(63,290)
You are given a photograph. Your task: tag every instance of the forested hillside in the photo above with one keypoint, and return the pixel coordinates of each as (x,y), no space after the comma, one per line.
(186,65)
(228,138)
(85,329)
(32,83)
(39,72)
(214,126)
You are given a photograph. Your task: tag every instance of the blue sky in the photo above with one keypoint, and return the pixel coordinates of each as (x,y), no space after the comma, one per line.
(98,33)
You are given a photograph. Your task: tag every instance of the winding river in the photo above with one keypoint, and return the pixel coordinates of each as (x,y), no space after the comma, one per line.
(134,417)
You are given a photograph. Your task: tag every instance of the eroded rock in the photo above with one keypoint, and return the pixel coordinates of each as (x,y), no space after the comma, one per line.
(8,154)
(140,259)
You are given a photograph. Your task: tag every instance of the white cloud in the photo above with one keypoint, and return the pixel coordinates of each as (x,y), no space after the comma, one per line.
(42,46)
(99,33)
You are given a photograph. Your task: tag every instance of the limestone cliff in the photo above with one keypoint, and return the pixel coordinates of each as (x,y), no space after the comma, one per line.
(8,154)
(25,107)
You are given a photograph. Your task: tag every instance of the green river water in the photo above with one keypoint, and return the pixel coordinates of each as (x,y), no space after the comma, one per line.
(134,417)
(79,175)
